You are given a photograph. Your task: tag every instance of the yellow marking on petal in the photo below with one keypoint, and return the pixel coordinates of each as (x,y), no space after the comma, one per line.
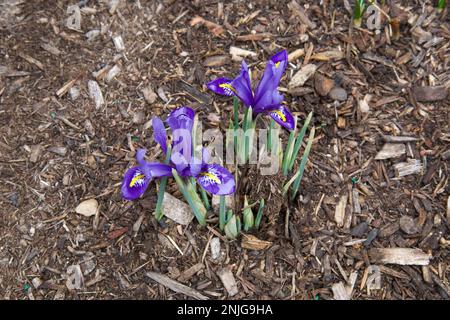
(211,176)
(277,64)
(280,115)
(136,179)
(227,85)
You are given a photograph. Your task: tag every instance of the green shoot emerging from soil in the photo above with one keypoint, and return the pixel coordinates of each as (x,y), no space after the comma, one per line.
(358,12)
(441,5)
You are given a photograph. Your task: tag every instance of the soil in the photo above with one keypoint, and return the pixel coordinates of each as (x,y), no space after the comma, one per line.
(57,151)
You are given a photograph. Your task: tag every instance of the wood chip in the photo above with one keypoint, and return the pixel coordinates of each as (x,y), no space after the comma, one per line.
(175,286)
(190,272)
(95,93)
(430,94)
(214,246)
(255,37)
(35,152)
(58,150)
(227,278)
(118,43)
(328,55)
(339,291)
(391,150)
(32,60)
(253,243)
(216,61)
(302,75)
(176,210)
(448,211)
(112,73)
(238,52)
(149,95)
(294,55)
(412,166)
(364,104)
(300,12)
(50,48)
(399,139)
(87,208)
(339,214)
(214,28)
(63,90)
(402,256)
(322,84)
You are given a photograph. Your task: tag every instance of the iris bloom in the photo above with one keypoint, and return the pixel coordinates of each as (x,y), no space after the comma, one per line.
(211,177)
(265,99)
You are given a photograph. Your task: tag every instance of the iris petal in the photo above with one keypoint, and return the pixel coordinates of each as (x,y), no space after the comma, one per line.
(182,117)
(221,86)
(159,133)
(280,60)
(270,81)
(216,179)
(269,100)
(242,86)
(135,182)
(283,117)
(158,170)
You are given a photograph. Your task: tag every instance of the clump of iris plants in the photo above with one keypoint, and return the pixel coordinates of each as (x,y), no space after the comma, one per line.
(181,164)
(264,100)
(188,162)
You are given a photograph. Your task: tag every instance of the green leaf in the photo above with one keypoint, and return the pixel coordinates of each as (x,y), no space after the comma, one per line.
(269,138)
(192,198)
(231,228)
(298,142)
(248,119)
(162,188)
(205,198)
(259,214)
(303,163)
(238,225)
(222,214)
(248,217)
(288,184)
(236,122)
(289,149)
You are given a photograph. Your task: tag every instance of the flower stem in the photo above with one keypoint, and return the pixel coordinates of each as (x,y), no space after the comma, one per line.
(162,187)
(301,169)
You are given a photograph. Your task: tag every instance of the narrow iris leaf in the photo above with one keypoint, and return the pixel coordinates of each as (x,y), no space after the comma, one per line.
(358,11)
(269,139)
(247,133)
(236,122)
(196,206)
(247,214)
(231,228)
(162,187)
(303,163)
(288,184)
(238,225)
(259,214)
(222,213)
(298,142)
(205,198)
(289,149)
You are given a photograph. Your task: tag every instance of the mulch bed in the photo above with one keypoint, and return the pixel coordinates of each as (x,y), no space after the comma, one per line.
(59,148)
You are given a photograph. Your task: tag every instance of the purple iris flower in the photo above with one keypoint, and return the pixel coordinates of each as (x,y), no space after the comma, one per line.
(212,177)
(265,99)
